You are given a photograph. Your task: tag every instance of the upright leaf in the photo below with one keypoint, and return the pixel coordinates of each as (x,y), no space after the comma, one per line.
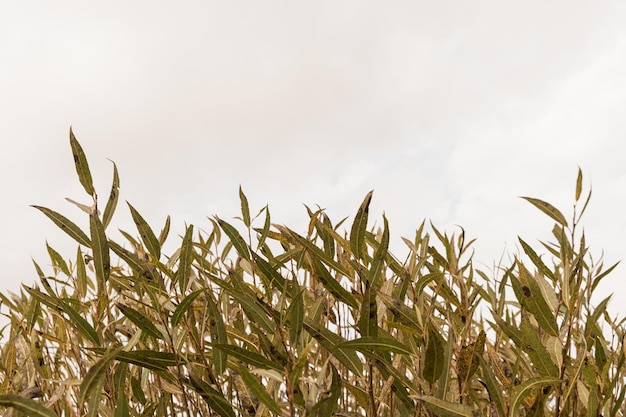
(82,167)
(359,227)
(148,237)
(109,209)
(240,245)
(186,260)
(245,209)
(434,356)
(101,256)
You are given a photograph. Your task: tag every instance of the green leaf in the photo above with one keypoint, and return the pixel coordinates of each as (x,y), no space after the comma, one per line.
(80,323)
(380,254)
(240,245)
(525,388)
(186,260)
(329,341)
(530,296)
(443,408)
(434,356)
(140,321)
(165,231)
(214,399)
(82,167)
(81,274)
(259,391)
(148,237)
(91,386)
(184,305)
(548,209)
(272,275)
(327,406)
(109,209)
(368,320)
(536,259)
(100,249)
(57,260)
(376,343)
(532,345)
(66,225)
(245,209)
(251,358)
(295,311)
(494,387)
(403,313)
(359,226)
(27,406)
(469,358)
(217,329)
(579,184)
(331,284)
(150,359)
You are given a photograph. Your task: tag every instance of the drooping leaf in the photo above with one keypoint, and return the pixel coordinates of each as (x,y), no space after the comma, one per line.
(140,321)
(254,359)
(330,341)
(359,227)
(376,343)
(66,225)
(443,408)
(26,406)
(82,167)
(548,209)
(183,306)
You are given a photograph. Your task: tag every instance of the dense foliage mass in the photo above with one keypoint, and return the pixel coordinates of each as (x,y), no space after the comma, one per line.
(255,319)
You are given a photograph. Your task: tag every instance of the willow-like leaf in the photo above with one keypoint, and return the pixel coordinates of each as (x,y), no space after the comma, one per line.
(146,233)
(82,167)
(140,321)
(111,205)
(259,391)
(91,386)
(238,242)
(186,260)
(443,408)
(26,406)
(548,209)
(66,225)
(434,356)
(359,227)
(522,390)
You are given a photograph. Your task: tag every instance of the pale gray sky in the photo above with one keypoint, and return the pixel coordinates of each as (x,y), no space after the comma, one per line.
(448,110)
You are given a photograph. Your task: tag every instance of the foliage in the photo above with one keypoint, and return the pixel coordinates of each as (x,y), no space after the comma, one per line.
(258,319)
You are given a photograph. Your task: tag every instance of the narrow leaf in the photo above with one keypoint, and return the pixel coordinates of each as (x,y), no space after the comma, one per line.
(434,356)
(522,390)
(443,408)
(374,343)
(91,386)
(245,209)
(140,321)
(27,406)
(109,209)
(368,320)
(359,226)
(259,391)
(548,209)
(82,167)
(66,225)
(240,245)
(148,237)
(186,260)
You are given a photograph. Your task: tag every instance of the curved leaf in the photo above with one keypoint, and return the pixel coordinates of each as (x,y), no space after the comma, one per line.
(82,167)
(27,406)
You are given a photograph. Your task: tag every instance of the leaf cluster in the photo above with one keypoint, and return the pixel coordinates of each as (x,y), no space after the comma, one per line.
(256,319)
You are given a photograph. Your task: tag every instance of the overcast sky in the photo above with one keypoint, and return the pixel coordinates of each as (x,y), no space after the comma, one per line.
(448,110)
